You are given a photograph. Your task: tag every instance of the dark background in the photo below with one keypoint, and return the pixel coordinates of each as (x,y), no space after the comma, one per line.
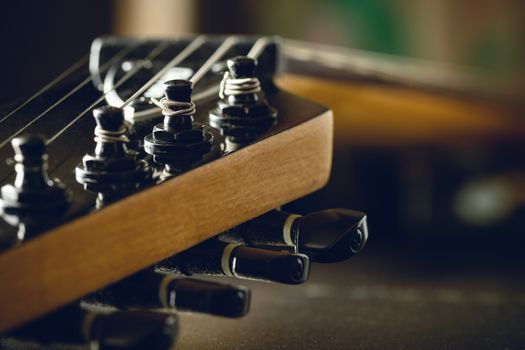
(427,278)
(41,39)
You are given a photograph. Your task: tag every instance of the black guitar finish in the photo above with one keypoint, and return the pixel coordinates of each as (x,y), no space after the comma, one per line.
(62,115)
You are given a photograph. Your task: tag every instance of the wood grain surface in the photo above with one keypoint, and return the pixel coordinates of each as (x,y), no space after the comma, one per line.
(92,252)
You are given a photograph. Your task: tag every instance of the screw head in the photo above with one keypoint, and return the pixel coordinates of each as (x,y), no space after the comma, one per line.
(357,240)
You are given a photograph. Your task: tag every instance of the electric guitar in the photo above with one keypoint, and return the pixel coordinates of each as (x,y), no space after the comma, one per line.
(141,151)
(161,145)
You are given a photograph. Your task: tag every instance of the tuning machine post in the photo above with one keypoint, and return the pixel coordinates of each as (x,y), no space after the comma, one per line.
(112,170)
(34,201)
(242,113)
(103,328)
(179,141)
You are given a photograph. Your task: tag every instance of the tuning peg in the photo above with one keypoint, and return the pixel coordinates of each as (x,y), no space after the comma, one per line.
(151,289)
(242,113)
(112,170)
(326,236)
(241,67)
(33,201)
(104,328)
(214,257)
(178,141)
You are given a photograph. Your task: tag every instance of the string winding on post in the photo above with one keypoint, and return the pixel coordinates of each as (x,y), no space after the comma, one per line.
(241,86)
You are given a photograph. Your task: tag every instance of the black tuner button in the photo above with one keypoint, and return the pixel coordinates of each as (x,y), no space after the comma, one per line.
(215,257)
(208,297)
(103,328)
(152,289)
(112,170)
(242,113)
(326,236)
(33,201)
(332,235)
(179,141)
(272,265)
(134,330)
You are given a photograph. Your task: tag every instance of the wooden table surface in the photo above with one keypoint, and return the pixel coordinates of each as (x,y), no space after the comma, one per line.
(376,301)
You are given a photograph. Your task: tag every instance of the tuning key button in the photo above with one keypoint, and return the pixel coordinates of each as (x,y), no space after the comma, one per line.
(215,257)
(326,236)
(188,294)
(112,170)
(152,289)
(103,328)
(178,141)
(33,201)
(242,113)
(240,84)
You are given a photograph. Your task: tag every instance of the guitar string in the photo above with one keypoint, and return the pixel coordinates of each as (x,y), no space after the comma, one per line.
(230,86)
(258,48)
(188,50)
(217,55)
(219,52)
(192,47)
(255,51)
(49,85)
(154,53)
(118,56)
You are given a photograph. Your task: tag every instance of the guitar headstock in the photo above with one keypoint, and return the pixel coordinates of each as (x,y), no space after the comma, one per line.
(157,145)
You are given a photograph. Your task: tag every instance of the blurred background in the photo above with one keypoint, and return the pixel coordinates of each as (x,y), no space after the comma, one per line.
(485,34)
(430,142)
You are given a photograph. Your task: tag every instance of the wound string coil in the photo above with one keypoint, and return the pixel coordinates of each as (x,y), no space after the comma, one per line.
(167,106)
(102,135)
(241,86)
